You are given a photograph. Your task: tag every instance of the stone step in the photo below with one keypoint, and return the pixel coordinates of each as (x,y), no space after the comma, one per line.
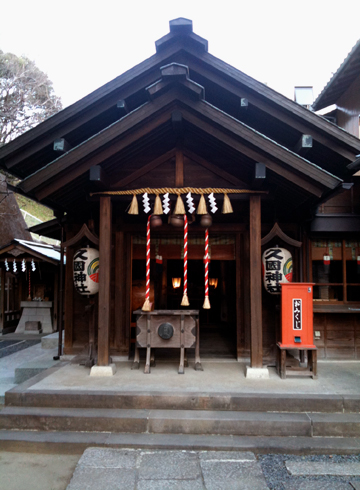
(77,442)
(180,422)
(33,368)
(259,402)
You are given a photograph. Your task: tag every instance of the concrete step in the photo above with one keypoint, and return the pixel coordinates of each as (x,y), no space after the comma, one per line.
(181,422)
(77,442)
(33,368)
(259,402)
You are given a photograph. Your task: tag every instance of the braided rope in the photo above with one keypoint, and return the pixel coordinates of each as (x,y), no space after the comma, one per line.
(206,301)
(185,252)
(146,306)
(177,191)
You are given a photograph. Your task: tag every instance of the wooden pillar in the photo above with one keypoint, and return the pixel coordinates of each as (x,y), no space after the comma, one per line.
(69,292)
(239,296)
(179,167)
(2,299)
(104,282)
(256,353)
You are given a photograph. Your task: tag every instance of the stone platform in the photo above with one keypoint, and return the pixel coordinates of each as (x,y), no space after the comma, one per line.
(215,408)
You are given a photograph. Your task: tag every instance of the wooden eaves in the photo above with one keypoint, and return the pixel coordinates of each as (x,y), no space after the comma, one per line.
(211,120)
(180,45)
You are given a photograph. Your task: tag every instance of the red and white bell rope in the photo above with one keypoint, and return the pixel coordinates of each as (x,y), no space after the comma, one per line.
(185,299)
(206,304)
(147,305)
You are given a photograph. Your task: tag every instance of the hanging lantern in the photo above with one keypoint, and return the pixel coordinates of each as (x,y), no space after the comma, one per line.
(326,261)
(86,271)
(277,267)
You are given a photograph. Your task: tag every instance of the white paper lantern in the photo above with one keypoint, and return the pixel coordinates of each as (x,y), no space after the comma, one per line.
(86,271)
(277,267)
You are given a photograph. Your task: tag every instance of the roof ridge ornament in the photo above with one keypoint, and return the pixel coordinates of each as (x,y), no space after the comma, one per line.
(179,29)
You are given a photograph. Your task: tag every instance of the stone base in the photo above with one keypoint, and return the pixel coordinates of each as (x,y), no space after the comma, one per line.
(109,370)
(257,373)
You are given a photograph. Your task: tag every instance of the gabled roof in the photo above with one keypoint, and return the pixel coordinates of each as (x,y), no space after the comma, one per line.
(19,248)
(207,132)
(339,83)
(268,112)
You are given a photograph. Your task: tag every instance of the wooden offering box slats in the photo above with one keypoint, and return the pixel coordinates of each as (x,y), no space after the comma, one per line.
(167,329)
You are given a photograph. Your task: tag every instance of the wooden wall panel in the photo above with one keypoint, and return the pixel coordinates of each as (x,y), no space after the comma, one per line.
(339,335)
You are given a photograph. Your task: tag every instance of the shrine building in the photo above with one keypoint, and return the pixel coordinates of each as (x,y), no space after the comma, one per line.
(203,191)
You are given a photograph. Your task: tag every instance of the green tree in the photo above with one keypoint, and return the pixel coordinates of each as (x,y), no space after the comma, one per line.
(26,96)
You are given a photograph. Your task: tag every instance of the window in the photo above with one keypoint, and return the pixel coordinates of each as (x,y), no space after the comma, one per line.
(337,280)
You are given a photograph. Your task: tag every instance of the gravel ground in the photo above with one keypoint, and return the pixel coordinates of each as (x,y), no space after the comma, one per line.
(278,478)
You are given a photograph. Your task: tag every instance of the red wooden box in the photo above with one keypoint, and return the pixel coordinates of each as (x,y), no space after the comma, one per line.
(297,315)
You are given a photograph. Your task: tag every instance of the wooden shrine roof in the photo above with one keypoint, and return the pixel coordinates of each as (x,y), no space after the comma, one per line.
(341,80)
(229,121)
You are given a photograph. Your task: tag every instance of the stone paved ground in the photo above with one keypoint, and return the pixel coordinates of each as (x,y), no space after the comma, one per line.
(104,468)
(8,347)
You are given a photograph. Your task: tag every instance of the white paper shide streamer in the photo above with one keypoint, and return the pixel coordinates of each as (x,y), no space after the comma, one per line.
(190,203)
(146,202)
(166,203)
(212,201)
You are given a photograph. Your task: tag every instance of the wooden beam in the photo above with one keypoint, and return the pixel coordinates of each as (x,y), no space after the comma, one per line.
(85,109)
(272,148)
(144,170)
(215,169)
(256,155)
(69,292)
(179,167)
(2,299)
(177,123)
(256,354)
(267,100)
(59,181)
(104,282)
(120,293)
(239,296)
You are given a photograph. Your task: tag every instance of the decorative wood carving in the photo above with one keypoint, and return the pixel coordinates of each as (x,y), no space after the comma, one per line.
(277,231)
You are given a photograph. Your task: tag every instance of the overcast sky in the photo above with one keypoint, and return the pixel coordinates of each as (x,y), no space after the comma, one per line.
(83,44)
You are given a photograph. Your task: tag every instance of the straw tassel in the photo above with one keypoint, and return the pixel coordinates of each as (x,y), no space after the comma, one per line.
(185,299)
(147,304)
(202,206)
(206,304)
(179,208)
(134,207)
(227,207)
(158,206)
